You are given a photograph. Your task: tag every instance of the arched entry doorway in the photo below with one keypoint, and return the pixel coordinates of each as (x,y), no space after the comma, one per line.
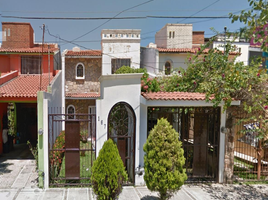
(121,129)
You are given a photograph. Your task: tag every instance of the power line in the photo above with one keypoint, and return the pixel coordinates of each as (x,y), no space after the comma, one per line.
(197,21)
(200,11)
(193,17)
(111,19)
(108,11)
(116,18)
(73,18)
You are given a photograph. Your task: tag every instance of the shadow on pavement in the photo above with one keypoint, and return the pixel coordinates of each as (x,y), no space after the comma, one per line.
(4,168)
(20,151)
(147,197)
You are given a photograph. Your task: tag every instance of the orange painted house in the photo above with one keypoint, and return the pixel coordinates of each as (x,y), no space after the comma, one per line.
(25,68)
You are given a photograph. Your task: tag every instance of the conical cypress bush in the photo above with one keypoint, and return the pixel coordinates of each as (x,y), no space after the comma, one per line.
(164,160)
(108,172)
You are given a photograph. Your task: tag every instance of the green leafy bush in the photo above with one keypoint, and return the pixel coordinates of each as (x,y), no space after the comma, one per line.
(129,70)
(147,84)
(108,172)
(164,160)
(57,155)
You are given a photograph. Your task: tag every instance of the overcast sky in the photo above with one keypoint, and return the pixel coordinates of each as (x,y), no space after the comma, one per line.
(69,30)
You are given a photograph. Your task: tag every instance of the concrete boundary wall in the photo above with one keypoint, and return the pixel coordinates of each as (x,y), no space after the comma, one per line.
(47,102)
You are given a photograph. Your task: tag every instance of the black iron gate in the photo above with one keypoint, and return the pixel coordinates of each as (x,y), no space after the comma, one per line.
(199,129)
(72,144)
(122,130)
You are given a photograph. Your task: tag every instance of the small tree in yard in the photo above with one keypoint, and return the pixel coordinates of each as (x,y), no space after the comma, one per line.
(108,172)
(164,160)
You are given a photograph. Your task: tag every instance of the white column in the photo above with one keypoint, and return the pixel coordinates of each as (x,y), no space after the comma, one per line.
(222,147)
(45,143)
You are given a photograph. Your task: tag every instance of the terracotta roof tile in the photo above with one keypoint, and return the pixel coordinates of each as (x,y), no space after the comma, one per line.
(187,50)
(180,50)
(36,49)
(24,86)
(174,96)
(83,95)
(255,46)
(84,53)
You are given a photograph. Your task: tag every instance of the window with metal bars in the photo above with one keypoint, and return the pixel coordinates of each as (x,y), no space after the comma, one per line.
(117,63)
(31,64)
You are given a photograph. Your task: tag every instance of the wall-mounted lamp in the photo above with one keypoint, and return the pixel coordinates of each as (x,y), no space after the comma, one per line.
(40,131)
(223,129)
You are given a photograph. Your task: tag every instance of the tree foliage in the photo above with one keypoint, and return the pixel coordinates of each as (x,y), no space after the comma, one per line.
(108,172)
(164,160)
(256,19)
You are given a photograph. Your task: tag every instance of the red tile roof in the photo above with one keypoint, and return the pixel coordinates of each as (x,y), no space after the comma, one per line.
(187,50)
(83,95)
(180,50)
(174,96)
(36,49)
(255,46)
(84,53)
(24,86)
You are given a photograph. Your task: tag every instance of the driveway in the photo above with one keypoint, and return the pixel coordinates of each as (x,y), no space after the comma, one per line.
(17,169)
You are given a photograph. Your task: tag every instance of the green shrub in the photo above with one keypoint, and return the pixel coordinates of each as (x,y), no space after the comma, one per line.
(108,172)
(164,160)
(129,70)
(147,84)
(57,155)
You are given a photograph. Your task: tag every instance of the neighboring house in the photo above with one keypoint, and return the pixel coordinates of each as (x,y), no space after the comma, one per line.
(82,69)
(242,46)
(247,49)
(174,44)
(26,68)
(120,48)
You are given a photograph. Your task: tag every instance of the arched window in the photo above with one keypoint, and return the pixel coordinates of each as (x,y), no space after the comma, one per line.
(71,110)
(80,71)
(167,68)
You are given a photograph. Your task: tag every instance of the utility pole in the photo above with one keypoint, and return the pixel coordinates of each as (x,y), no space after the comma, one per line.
(41,66)
(48,64)
(225,28)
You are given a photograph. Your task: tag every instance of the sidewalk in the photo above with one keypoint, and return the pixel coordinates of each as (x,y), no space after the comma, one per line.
(18,181)
(128,193)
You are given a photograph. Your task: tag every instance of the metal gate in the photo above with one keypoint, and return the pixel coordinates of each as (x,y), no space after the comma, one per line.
(199,129)
(250,152)
(71,148)
(121,129)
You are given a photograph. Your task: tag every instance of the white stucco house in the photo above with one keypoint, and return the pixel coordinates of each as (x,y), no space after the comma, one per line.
(174,44)
(124,114)
(242,46)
